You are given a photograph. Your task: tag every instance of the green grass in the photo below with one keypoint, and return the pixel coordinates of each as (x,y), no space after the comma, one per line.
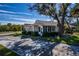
(71,40)
(16,34)
(9,31)
(6,52)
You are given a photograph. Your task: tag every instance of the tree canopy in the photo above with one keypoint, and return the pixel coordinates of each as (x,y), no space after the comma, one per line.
(58,11)
(10,27)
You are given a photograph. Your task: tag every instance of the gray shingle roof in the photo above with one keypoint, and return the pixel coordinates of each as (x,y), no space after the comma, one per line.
(45,23)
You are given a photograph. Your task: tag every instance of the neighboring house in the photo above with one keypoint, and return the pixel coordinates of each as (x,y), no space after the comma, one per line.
(42,26)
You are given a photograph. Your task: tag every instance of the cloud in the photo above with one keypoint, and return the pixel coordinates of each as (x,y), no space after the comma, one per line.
(25,20)
(12,16)
(20,18)
(13,22)
(4,15)
(18,21)
(26,13)
(4,11)
(1,5)
(17,13)
(4,5)
(15,18)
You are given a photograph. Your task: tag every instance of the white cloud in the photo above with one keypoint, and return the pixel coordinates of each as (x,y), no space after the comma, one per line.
(24,19)
(14,17)
(1,5)
(13,22)
(11,12)
(4,5)
(17,17)
(23,13)
(30,21)
(4,11)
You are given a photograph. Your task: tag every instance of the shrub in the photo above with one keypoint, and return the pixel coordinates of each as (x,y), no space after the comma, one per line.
(34,34)
(69,31)
(54,33)
(28,33)
(24,32)
(46,34)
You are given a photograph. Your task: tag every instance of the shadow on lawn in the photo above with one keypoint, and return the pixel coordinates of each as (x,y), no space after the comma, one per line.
(70,39)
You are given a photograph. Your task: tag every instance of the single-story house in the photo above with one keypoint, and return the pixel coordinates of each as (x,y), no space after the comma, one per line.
(41,26)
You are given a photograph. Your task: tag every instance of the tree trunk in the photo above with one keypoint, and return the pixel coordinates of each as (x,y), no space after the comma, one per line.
(60,26)
(77,24)
(61,29)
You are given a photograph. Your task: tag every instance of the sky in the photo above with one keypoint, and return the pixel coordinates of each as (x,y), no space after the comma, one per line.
(19,13)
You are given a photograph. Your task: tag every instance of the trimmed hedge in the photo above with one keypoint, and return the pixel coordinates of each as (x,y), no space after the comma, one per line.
(30,33)
(46,34)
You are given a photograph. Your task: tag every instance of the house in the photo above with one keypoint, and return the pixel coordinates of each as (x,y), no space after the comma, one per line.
(42,26)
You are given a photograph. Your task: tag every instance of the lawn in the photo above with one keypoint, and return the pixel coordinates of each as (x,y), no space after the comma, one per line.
(68,39)
(6,52)
(72,39)
(16,34)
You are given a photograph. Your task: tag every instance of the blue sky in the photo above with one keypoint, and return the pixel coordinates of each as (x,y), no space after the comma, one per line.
(18,13)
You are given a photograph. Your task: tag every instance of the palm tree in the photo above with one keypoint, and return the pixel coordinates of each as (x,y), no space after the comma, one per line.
(59,12)
(75,14)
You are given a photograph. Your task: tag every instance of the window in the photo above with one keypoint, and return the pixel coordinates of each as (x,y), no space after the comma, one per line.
(53,28)
(49,28)
(44,28)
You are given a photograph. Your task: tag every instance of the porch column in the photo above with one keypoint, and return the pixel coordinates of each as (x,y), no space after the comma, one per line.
(47,28)
(56,28)
(41,28)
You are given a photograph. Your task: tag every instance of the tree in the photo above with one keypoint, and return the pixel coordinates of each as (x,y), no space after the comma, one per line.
(9,24)
(10,27)
(75,14)
(58,12)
